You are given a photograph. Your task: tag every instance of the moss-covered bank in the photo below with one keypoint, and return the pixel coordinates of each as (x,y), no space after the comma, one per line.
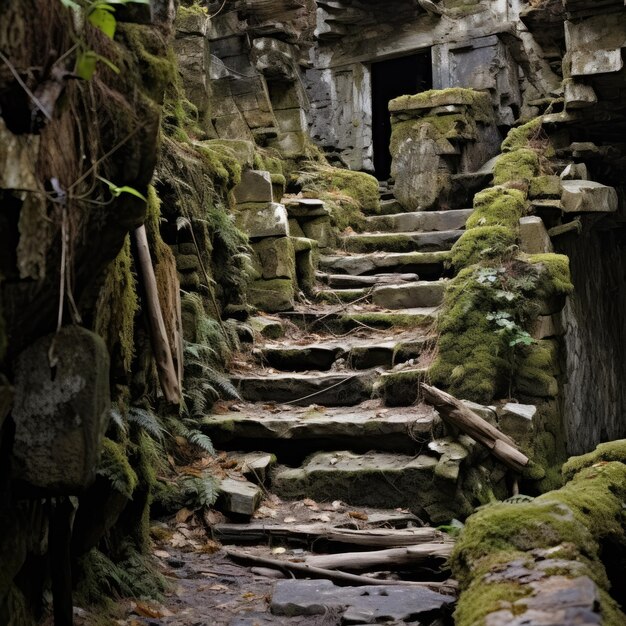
(509,553)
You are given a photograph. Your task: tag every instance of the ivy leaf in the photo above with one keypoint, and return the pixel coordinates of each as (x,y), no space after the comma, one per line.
(103,19)
(118,191)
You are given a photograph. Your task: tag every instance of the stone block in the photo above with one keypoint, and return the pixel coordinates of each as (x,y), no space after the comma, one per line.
(306,208)
(263,220)
(320,230)
(575,171)
(290,120)
(242,149)
(534,238)
(579,96)
(294,228)
(290,144)
(61,411)
(255,118)
(516,421)
(228,126)
(255,186)
(275,258)
(239,497)
(587,196)
(272,296)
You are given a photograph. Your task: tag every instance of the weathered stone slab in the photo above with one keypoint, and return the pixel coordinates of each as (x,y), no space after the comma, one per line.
(61,411)
(359,264)
(255,186)
(345,389)
(587,196)
(365,480)
(375,604)
(534,238)
(421,220)
(306,208)
(579,96)
(272,296)
(401,242)
(238,497)
(255,466)
(263,220)
(409,295)
(354,427)
(575,171)
(517,421)
(345,281)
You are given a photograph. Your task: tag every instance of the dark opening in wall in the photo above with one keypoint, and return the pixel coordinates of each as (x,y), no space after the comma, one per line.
(390,79)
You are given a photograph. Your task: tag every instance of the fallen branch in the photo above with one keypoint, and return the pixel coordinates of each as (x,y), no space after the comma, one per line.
(455,413)
(308,571)
(168,374)
(311,533)
(393,558)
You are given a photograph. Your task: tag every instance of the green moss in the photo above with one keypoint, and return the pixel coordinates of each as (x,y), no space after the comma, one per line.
(348,194)
(537,366)
(554,272)
(158,72)
(482,243)
(545,187)
(572,522)
(498,206)
(521,136)
(479,102)
(521,164)
(605,452)
(436,127)
(117,306)
(222,163)
(485,598)
(114,466)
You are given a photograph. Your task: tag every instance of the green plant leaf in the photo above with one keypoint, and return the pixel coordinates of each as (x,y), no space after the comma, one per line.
(102,18)
(117,191)
(86,64)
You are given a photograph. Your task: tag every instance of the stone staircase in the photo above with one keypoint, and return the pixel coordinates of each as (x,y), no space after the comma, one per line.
(318,389)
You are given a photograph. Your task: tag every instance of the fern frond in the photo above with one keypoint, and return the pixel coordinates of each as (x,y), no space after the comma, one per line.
(146,420)
(201,440)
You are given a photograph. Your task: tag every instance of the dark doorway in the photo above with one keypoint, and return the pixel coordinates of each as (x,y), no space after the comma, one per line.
(390,79)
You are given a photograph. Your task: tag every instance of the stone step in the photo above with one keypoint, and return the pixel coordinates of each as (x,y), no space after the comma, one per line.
(400,388)
(292,432)
(420,221)
(357,353)
(333,296)
(344,321)
(401,242)
(327,389)
(427,265)
(380,479)
(410,295)
(345,281)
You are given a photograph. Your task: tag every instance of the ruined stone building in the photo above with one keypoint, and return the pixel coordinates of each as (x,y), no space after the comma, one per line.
(284,229)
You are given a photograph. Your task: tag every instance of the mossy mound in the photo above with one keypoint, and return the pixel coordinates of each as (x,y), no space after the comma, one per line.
(519,165)
(604,453)
(482,243)
(479,101)
(348,194)
(522,136)
(498,206)
(570,526)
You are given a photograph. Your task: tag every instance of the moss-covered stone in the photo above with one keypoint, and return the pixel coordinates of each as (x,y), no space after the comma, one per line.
(498,206)
(570,525)
(604,453)
(518,165)
(272,296)
(521,136)
(545,187)
(479,101)
(482,243)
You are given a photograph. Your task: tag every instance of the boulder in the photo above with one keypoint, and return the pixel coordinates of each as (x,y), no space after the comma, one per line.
(61,411)
(587,196)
